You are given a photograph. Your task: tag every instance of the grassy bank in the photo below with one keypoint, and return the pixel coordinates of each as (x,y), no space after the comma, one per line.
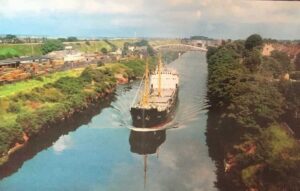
(13,50)
(249,102)
(27,85)
(89,46)
(33,106)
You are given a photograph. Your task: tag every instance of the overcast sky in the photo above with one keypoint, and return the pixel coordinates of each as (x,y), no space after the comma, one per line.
(151,18)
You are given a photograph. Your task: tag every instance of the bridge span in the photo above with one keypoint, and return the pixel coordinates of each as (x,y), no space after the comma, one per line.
(179,47)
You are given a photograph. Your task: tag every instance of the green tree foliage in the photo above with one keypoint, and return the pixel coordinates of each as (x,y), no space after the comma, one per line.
(210,51)
(224,72)
(72,39)
(104,50)
(253,41)
(251,106)
(51,45)
(271,65)
(69,85)
(280,153)
(252,60)
(258,105)
(283,59)
(14,107)
(199,38)
(9,134)
(150,50)
(10,37)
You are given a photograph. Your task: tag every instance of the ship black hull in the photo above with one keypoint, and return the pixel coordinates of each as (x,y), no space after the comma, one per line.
(147,118)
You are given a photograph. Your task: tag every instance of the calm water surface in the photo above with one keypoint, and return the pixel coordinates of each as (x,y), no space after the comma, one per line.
(97,151)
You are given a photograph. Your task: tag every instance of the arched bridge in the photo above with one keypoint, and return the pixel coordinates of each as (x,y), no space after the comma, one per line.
(179,47)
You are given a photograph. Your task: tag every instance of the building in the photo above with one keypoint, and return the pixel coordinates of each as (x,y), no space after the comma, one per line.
(267,49)
(131,48)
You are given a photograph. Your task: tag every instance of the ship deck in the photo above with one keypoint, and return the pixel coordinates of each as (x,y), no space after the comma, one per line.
(160,102)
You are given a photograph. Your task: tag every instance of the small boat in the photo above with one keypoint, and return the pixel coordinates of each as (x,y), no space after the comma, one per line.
(158,94)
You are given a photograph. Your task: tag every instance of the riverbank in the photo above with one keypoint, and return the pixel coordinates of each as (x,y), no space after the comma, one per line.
(246,128)
(27,114)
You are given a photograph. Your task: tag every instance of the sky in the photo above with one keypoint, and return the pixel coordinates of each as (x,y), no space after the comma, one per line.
(151,18)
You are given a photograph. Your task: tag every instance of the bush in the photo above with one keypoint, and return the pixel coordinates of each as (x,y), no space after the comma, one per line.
(14,107)
(51,45)
(104,50)
(10,133)
(69,85)
(253,60)
(283,59)
(53,95)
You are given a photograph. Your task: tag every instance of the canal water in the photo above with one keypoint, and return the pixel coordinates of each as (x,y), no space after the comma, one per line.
(96,150)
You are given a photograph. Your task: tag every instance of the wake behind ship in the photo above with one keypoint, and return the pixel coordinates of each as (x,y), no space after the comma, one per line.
(157,98)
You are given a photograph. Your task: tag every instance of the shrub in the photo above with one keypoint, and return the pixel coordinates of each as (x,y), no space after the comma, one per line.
(14,107)
(51,45)
(10,133)
(53,95)
(69,85)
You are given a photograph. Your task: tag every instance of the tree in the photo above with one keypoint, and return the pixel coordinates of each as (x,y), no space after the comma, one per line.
(104,50)
(253,60)
(52,45)
(72,39)
(11,38)
(210,51)
(253,41)
(283,59)
(258,105)
(199,38)
(150,50)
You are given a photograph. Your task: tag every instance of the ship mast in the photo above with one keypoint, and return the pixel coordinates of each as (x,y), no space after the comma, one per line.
(159,75)
(145,94)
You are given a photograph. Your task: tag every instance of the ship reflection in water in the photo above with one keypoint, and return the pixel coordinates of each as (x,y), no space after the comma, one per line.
(146,143)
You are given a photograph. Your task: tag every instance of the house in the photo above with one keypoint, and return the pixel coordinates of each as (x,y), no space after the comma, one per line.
(267,49)
(131,48)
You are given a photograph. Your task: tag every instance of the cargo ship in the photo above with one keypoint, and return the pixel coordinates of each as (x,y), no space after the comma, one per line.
(156,98)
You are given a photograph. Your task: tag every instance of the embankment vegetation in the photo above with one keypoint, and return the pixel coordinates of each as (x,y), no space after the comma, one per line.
(29,108)
(248,95)
(15,50)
